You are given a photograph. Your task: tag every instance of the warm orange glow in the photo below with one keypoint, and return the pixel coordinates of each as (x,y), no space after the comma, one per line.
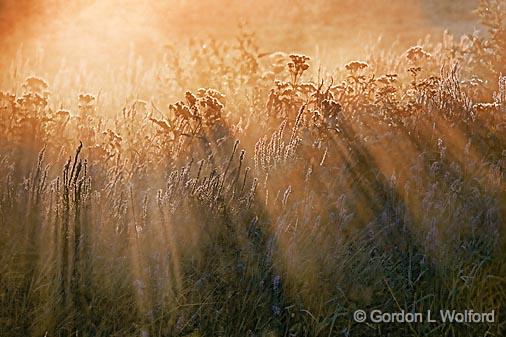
(250,168)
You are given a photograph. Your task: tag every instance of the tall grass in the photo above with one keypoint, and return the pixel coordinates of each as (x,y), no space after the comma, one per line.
(275,201)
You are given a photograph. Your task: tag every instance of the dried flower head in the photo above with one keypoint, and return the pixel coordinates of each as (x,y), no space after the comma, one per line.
(35,85)
(355,66)
(86,100)
(297,66)
(62,113)
(416,53)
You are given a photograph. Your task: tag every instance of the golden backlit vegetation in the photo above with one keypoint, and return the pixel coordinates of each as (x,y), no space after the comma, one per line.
(216,189)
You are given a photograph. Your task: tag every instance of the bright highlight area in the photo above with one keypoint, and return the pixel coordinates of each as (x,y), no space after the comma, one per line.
(252,168)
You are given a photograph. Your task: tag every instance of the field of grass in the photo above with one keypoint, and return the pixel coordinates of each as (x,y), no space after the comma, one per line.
(220,187)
